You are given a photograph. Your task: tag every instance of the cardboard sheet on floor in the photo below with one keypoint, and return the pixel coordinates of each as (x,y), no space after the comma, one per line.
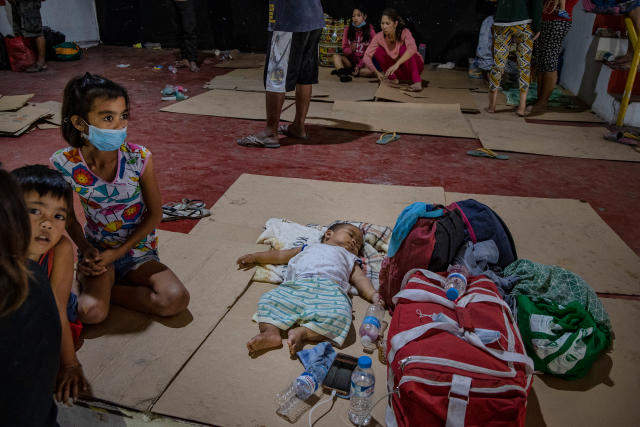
(452,79)
(551,140)
(13,102)
(224,103)
(565,115)
(429,95)
(55,108)
(421,119)
(328,88)
(568,233)
(130,358)
(252,199)
(243,60)
(606,396)
(223,385)
(15,123)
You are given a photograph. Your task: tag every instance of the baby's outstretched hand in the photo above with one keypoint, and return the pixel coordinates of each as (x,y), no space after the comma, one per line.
(245,262)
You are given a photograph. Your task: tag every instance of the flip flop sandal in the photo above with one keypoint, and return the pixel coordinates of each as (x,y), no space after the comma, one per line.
(194,203)
(194,213)
(485,152)
(254,141)
(387,137)
(284,130)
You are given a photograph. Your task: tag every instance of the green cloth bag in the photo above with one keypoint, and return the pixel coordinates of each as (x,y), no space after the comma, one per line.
(562,340)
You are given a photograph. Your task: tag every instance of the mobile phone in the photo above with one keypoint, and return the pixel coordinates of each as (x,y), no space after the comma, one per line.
(339,376)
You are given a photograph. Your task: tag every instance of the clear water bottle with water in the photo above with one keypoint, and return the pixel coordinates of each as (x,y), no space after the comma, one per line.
(362,385)
(370,328)
(456,283)
(291,401)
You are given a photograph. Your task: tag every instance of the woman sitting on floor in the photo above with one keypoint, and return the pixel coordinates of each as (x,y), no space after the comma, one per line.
(395,52)
(355,41)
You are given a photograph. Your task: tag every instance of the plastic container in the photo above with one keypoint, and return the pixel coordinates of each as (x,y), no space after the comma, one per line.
(291,401)
(456,283)
(370,328)
(362,385)
(422,49)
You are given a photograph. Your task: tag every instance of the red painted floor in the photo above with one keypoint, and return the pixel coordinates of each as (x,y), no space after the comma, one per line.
(196,156)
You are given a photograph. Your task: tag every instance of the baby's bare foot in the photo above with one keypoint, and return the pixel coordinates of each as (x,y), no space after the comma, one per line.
(263,341)
(296,339)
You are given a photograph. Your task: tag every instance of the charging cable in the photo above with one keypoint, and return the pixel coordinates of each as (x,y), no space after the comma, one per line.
(333,394)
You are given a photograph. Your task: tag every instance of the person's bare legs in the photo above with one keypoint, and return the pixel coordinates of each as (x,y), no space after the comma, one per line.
(366,72)
(95,296)
(626,59)
(546,85)
(340,62)
(303,99)
(493,100)
(274,102)
(522,106)
(41,46)
(152,288)
(269,337)
(297,337)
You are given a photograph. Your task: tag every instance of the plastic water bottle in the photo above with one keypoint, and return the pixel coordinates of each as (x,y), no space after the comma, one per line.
(456,283)
(422,49)
(370,328)
(291,401)
(362,385)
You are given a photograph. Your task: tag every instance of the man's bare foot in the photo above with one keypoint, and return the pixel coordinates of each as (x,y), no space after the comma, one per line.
(490,109)
(182,63)
(264,340)
(292,131)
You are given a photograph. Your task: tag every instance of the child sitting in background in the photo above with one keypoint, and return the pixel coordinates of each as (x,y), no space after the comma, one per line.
(355,41)
(49,201)
(118,189)
(314,294)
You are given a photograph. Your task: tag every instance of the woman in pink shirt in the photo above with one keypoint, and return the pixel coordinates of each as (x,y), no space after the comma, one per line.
(355,41)
(395,52)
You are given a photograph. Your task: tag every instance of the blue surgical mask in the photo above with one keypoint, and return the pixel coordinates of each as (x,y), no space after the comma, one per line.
(106,139)
(361,25)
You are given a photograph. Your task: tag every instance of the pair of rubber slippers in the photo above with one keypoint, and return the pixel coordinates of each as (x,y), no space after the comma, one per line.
(485,152)
(186,209)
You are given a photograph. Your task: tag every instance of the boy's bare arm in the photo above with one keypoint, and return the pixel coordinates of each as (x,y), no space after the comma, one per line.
(364,286)
(267,257)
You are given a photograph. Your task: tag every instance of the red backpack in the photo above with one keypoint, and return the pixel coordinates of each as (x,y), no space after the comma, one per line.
(455,363)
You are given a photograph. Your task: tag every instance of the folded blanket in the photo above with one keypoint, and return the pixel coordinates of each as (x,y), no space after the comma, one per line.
(284,234)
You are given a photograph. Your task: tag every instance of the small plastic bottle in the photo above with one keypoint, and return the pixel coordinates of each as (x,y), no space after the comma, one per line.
(370,328)
(362,385)
(291,401)
(456,283)
(422,49)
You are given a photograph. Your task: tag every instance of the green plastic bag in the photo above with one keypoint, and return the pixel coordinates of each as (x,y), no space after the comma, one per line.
(562,340)
(67,51)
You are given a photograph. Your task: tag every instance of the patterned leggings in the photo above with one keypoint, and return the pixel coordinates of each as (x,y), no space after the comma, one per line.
(502,39)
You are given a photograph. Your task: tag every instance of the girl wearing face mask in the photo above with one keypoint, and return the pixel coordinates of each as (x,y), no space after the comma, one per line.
(355,41)
(395,51)
(115,181)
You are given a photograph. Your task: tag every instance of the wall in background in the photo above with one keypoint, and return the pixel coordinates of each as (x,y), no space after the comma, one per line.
(74,18)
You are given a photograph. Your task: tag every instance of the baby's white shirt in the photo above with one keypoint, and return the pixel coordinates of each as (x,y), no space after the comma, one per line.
(328,261)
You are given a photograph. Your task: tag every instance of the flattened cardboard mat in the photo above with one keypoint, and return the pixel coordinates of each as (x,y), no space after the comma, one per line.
(130,358)
(224,103)
(607,396)
(429,95)
(551,140)
(328,89)
(422,119)
(223,385)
